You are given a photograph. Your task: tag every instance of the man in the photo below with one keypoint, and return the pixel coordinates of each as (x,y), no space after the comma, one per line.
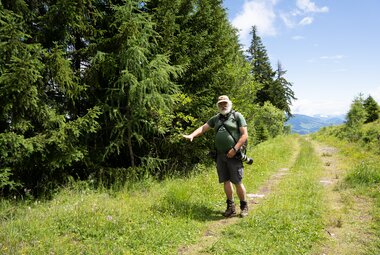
(230,135)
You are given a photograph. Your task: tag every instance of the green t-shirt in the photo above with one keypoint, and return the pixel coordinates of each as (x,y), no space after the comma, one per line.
(223,140)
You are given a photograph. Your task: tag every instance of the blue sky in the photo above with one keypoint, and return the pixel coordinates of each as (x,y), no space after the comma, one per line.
(330,49)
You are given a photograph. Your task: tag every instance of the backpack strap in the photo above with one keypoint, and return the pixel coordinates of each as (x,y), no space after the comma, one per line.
(229,132)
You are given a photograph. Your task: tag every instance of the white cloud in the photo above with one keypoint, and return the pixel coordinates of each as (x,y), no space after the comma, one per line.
(259,13)
(320,107)
(264,14)
(287,20)
(306,21)
(307,6)
(302,14)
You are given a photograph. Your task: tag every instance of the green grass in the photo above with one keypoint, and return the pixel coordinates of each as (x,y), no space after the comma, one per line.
(290,221)
(148,218)
(362,180)
(366,173)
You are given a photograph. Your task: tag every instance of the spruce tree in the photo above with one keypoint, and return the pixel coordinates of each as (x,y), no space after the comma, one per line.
(198,36)
(372,109)
(133,84)
(281,91)
(39,138)
(261,69)
(357,115)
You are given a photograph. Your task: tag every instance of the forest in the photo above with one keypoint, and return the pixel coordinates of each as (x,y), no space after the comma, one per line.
(102,90)
(95,97)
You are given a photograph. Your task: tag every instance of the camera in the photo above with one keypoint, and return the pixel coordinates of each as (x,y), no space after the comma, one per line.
(240,155)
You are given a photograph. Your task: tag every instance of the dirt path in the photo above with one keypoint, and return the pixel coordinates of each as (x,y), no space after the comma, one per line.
(348,216)
(214,230)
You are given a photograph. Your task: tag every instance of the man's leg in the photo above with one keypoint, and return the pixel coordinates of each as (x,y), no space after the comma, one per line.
(240,190)
(228,189)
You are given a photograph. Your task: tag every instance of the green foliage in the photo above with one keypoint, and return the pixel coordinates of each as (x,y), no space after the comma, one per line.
(356,117)
(39,136)
(281,91)
(268,122)
(139,92)
(274,88)
(104,89)
(357,128)
(260,67)
(357,114)
(372,109)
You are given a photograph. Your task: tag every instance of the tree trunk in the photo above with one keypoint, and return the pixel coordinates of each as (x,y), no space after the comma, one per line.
(130,148)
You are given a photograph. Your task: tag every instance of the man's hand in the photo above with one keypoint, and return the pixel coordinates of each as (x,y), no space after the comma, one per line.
(189,137)
(231,153)
(199,131)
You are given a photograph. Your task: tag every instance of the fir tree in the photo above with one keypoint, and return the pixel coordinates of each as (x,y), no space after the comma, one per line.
(261,69)
(134,85)
(38,136)
(281,91)
(372,109)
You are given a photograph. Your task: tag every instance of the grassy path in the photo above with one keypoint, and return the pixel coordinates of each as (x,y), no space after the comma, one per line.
(144,218)
(289,220)
(214,230)
(348,221)
(302,210)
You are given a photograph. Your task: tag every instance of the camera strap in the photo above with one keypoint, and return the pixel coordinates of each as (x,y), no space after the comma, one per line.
(222,120)
(225,119)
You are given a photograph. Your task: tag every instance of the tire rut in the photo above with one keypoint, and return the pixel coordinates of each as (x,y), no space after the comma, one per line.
(347,226)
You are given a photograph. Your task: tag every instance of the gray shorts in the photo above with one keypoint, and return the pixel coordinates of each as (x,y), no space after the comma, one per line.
(229,169)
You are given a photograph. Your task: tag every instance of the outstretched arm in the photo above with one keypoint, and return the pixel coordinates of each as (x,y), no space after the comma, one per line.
(198,132)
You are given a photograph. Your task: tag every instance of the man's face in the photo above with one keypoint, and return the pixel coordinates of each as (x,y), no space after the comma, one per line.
(224,107)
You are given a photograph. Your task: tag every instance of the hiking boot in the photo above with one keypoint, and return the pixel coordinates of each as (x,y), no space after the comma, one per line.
(230,211)
(243,209)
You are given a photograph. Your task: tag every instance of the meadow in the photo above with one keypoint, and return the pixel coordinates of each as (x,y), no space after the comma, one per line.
(150,217)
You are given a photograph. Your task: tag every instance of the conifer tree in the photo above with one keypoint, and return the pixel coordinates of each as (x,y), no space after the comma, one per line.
(261,69)
(198,36)
(372,109)
(133,84)
(281,91)
(274,88)
(357,114)
(38,136)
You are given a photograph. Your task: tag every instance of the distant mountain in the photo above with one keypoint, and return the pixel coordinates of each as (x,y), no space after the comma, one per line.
(303,124)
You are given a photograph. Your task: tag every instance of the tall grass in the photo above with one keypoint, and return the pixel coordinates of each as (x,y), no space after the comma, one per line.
(290,221)
(366,173)
(148,218)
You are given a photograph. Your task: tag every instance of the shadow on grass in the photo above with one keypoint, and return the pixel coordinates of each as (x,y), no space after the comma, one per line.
(188,209)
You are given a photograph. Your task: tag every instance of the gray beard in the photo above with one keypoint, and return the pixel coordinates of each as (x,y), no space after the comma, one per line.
(227,110)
